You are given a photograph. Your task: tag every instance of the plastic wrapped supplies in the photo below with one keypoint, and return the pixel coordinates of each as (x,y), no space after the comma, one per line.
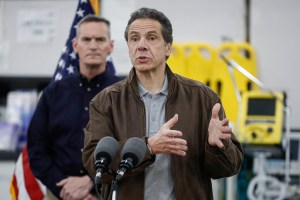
(19,110)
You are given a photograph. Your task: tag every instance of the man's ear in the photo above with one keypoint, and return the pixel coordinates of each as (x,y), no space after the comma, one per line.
(168,49)
(74,45)
(112,45)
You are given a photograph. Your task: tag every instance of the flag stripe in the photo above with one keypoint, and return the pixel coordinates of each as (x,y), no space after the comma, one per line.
(14,190)
(24,186)
(33,188)
(22,193)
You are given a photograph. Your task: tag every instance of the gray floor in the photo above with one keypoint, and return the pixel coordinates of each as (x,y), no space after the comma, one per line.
(6,171)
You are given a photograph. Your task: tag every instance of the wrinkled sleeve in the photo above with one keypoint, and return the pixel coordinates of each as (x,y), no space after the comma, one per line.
(41,163)
(227,161)
(224,162)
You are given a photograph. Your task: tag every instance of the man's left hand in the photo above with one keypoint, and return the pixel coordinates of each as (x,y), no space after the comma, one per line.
(75,187)
(218,130)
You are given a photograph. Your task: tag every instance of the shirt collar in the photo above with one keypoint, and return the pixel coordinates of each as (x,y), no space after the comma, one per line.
(98,79)
(164,89)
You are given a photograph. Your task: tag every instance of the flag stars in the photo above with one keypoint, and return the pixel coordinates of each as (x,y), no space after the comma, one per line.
(61,63)
(80,13)
(65,49)
(58,77)
(70,69)
(72,55)
(76,26)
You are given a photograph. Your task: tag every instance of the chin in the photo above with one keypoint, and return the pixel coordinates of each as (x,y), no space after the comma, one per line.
(143,66)
(94,65)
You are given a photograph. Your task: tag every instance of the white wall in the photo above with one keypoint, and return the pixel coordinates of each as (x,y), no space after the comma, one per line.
(193,20)
(275,35)
(33,58)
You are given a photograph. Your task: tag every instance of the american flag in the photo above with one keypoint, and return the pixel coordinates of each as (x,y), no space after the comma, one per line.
(68,62)
(23,185)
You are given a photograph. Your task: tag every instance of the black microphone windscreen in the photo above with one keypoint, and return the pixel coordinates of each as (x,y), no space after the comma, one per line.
(107,147)
(136,149)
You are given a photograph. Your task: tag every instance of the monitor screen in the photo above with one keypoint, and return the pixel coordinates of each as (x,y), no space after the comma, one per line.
(261,106)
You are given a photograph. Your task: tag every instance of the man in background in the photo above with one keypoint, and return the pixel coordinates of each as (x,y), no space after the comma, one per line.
(55,134)
(181,121)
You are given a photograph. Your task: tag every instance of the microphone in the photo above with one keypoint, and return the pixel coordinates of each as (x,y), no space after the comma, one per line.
(133,154)
(105,151)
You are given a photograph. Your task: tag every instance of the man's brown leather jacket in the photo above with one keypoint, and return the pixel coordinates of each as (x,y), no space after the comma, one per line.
(118,111)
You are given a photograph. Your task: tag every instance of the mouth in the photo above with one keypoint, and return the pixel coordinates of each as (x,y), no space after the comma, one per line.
(142,59)
(93,55)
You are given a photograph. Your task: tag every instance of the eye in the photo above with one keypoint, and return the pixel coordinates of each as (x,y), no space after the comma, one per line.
(152,37)
(86,39)
(134,38)
(101,39)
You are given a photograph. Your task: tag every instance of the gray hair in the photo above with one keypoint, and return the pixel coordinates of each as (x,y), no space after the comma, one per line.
(92,18)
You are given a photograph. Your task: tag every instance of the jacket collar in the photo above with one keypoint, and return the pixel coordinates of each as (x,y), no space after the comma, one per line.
(132,80)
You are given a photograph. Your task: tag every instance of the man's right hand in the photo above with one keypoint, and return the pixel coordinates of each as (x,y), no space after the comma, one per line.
(167,141)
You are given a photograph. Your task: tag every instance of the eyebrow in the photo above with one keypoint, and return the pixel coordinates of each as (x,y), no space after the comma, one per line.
(90,37)
(135,32)
(151,32)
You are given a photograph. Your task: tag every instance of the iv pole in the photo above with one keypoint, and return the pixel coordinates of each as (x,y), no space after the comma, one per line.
(286,143)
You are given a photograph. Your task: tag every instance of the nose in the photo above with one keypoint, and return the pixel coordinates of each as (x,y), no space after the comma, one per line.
(142,44)
(93,44)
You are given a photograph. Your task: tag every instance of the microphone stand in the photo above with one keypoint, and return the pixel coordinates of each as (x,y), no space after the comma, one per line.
(286,143)
(113,190)
(115,187)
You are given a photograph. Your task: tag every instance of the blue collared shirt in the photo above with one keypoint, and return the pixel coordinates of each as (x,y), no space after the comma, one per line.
(55,134)
(158,176)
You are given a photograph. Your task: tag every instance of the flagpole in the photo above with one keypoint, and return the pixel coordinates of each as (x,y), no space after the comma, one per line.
(98,6)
